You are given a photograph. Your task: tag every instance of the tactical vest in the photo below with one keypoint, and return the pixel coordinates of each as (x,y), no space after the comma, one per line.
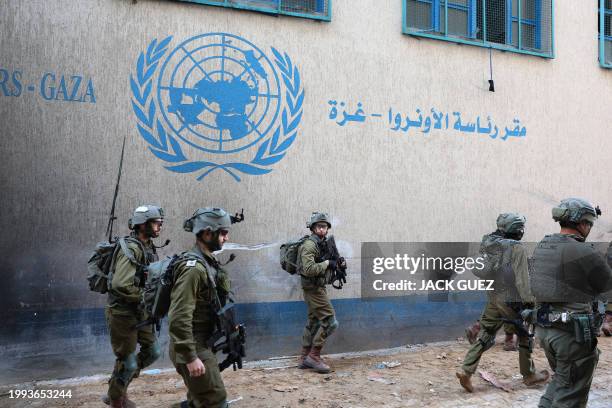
(149,255)
(315,281)
(557,277)
(497,253)
(204,312)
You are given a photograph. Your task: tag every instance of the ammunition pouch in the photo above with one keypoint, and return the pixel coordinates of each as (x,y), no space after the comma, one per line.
(584,326)
(583,329)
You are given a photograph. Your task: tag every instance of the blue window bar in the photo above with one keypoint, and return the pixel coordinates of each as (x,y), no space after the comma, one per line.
(522,26)
(605,33)
(313,9)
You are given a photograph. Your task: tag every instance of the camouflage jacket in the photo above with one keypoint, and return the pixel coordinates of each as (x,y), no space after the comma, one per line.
(191,318)
(125,293)
(313,273)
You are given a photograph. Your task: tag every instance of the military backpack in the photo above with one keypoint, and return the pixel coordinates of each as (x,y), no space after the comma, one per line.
(158,286)
(496,254)
(289,254)
(101,263)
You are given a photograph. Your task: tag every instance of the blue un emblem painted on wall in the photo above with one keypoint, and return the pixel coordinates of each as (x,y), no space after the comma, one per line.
(216,101)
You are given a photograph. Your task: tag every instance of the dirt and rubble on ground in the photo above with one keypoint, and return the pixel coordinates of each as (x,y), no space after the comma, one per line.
(411,376)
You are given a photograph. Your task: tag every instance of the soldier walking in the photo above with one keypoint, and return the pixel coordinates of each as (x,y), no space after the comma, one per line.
(315,274)
(199,283)
(567,276)
(123,311)
(505,301)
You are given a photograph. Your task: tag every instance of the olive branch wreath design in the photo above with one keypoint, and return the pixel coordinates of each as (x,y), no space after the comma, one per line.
(165,146)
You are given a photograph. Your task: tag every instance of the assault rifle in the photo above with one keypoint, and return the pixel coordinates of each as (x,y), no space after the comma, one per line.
(229,337)
(519,324)
(338,277)
(523,323)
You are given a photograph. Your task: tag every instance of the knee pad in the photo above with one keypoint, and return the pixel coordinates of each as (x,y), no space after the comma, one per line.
(129,366)
(486,339)
(332,325)
(150,355)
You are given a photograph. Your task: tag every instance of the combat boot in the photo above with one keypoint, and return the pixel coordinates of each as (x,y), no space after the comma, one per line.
(465,379)
(536,378)
(305,352)
(510,342)
(121,402)
(471,333)
(313,360)
(606,327)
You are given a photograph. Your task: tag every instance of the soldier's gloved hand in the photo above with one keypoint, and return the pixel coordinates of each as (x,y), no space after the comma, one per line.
(332,264)
(196,368)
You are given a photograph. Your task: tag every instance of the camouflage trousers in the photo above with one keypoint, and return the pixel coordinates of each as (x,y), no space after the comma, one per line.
(490,322)
(321,317)
(574,365)
(207,390)
(124,339)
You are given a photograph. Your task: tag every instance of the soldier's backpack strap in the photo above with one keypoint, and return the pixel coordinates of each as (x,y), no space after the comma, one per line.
(140,276)
(192,256)
(128,252)
(210,276)
(312,279)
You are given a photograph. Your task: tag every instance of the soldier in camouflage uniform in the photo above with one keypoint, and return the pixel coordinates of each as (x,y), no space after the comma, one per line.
(124,310)
(567,275)
(315,273)
(503,302)
(191,316)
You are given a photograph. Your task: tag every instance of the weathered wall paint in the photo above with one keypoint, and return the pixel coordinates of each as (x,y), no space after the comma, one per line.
(59,158)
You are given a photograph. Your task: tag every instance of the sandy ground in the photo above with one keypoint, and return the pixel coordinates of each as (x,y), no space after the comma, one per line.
(424,377)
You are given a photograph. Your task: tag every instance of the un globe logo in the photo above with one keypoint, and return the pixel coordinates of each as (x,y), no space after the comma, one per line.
(204,102)
(219,93)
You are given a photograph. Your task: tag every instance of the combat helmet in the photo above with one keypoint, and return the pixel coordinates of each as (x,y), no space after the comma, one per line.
(575,210)
(318,217)
(145,213)
(209,218)
(511,223)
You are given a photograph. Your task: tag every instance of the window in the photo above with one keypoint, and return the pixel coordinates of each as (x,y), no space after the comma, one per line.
(315,9)
(605,33)
(524,26)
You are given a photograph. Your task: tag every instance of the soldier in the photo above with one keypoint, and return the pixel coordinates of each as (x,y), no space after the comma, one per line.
(567,275)
(124,310)
(314,272)
(192,309)
(504,302)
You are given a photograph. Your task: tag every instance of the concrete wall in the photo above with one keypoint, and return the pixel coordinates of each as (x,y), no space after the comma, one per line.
(59,158)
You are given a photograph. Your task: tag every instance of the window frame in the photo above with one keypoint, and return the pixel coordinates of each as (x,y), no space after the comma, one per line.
(278,11)
(603,11)
(472,26)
